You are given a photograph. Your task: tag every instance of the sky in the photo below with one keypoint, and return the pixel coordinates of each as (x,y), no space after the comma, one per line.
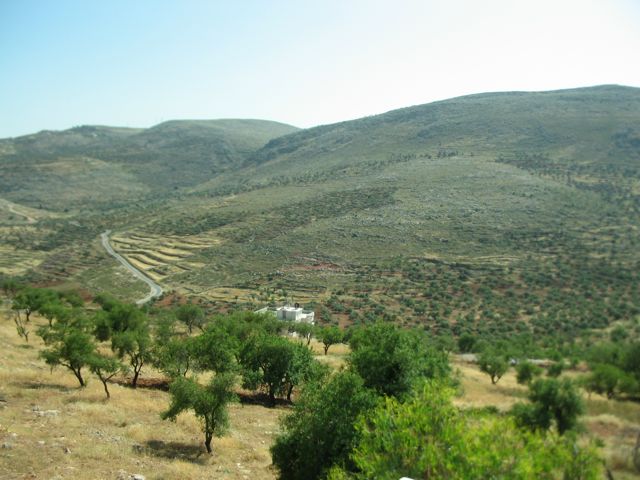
(138,63)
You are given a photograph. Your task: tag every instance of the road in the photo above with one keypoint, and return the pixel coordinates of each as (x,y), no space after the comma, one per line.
(155,290)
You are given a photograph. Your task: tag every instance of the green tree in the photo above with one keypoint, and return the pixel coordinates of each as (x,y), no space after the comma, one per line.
(466,343)
(304,330)
(526,371)
(128,328)
(136,346)
(191,315)
(555,369)
(427,437)
(493,364)
(30,299)
(176,356)
(552,401)
(391,360)
(273,363)
(105,368)
(320,432)
(607,380)
(330,336)
(69,345)
(209,403)
(215,350)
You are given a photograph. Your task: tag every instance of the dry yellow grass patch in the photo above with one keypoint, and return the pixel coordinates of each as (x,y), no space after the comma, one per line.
(477,390)
(50,428)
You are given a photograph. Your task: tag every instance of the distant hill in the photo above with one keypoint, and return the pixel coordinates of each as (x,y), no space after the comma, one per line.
(95,165)
(459,215)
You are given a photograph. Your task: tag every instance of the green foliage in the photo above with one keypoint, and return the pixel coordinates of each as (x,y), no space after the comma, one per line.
(128,328)
(176,356)
(609,380)
(191,315)
(427,437)
(552,402)
(391,360)
(526,371)
(274,363)
(320,432)
(494,364)
(69,344)
(330,336)
(215,349)
(31,299)
(466,343)
(304,330)
(208,403)
(555,369)
(105,368)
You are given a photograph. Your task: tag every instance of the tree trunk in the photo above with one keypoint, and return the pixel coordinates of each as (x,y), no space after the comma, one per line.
(207,442)
(326,348)
(272,397)
(289,392)
(78,375)
(106,390)
(134,381)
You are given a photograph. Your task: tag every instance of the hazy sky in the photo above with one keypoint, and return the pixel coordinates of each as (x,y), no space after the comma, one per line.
(137,62)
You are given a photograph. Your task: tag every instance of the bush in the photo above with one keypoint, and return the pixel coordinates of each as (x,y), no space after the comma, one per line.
(427,437)
(320,432)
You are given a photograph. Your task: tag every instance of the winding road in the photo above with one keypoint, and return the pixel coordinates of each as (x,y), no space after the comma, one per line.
(155,290)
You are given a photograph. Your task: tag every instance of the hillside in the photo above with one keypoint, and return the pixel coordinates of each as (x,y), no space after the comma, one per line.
(460,215)
(94,166)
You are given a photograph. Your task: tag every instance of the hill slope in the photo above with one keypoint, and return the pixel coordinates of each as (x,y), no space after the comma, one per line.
(461,215)
(93,165)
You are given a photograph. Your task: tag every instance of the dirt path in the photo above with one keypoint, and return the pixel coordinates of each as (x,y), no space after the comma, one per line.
(155,290)
(13,210)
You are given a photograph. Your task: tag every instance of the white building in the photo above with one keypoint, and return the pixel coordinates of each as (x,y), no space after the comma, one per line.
(290,313)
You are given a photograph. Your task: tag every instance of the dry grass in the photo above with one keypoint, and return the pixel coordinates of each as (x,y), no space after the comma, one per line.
(50,428)
(89,437)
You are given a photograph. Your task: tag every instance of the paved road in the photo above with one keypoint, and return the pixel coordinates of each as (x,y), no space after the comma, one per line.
(155,289)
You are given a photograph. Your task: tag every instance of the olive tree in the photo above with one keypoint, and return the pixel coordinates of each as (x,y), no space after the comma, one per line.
(209,403)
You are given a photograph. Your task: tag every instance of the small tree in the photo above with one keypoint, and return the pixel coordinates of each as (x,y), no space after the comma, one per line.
(320,431)
(606,380)
(21,326)
(30,300)
(466,342)
(553,401)
(526,371)
(136,345)
(191,315)
(70,345)
(105,368)
(493,364)
(391,360)
(330,336)
(555,369)
(304,331)
(208,403)
(267,361)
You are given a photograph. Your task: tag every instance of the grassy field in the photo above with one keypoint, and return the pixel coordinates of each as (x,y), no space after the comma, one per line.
(49,428)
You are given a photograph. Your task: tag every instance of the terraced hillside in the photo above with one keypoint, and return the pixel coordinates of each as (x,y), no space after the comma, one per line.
(507,213)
